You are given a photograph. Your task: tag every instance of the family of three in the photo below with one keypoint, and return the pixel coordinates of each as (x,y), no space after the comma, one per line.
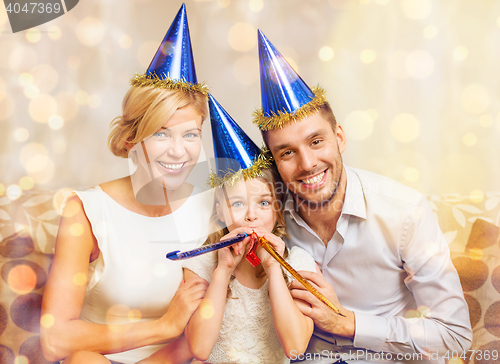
(359,238)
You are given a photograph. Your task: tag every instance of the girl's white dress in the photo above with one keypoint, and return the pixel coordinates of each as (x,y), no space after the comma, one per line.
(247,333)
(132,280)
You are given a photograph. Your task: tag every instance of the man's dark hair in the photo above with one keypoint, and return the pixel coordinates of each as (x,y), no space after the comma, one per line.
(326,112)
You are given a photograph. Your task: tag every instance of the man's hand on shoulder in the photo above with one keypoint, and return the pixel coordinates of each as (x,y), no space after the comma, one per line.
(322,315)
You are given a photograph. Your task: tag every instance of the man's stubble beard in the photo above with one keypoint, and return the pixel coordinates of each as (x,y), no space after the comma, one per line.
(323,202)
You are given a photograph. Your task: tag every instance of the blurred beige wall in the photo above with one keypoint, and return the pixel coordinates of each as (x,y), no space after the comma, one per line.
(414,83)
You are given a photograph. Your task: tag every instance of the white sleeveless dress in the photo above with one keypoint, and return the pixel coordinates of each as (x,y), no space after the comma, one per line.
(132,279)
(247,334)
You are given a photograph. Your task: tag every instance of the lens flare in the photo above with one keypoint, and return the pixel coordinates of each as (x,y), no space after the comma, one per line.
(47,320)
(21,279)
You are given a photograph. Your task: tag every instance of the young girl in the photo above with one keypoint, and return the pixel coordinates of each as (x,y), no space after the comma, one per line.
(247,314)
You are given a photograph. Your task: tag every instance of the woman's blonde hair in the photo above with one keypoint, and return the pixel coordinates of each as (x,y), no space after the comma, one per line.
(270,177)
(145,110)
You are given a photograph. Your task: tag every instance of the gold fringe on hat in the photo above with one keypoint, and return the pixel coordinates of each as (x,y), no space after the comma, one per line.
(167,83)
(281,119)
(262,161)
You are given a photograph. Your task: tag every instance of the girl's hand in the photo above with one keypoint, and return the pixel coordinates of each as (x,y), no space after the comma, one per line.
(231,256)
(267,261)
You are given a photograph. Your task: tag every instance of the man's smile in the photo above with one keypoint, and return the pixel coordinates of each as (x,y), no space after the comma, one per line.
(315,180)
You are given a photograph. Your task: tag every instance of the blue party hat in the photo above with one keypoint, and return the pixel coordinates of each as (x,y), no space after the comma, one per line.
(173,66)
(236,155)
(285,96)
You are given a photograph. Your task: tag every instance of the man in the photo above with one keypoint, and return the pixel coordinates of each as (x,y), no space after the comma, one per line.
(376,242)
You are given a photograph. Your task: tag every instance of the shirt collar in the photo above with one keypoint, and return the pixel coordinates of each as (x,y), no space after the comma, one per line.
(354,202)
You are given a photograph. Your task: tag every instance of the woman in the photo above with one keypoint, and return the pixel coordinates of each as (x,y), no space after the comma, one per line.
(110,288)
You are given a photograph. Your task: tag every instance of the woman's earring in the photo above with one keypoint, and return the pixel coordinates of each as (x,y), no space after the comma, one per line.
(133,155)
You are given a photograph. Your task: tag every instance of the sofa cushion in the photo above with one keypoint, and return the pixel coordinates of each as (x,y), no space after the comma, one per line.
(28,227)
(35,213)
(457,213)
(479,271)
(23,272)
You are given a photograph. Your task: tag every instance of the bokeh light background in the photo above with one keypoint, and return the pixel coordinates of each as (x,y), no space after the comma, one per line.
(415,83)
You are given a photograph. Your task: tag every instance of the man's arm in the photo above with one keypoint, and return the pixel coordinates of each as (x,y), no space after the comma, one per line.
(441,322)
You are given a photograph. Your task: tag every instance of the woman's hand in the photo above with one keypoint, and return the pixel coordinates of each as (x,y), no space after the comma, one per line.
(185,302)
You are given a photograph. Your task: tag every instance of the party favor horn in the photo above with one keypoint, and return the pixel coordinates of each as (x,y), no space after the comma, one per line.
(177,255)
(265,244)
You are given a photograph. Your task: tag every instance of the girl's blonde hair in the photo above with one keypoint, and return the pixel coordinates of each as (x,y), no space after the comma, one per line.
(270,177)
(145,110)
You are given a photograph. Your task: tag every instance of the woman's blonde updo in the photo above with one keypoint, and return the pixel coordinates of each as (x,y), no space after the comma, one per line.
(145,111)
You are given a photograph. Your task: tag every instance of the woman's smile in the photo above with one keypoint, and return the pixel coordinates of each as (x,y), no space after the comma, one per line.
(172,168)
